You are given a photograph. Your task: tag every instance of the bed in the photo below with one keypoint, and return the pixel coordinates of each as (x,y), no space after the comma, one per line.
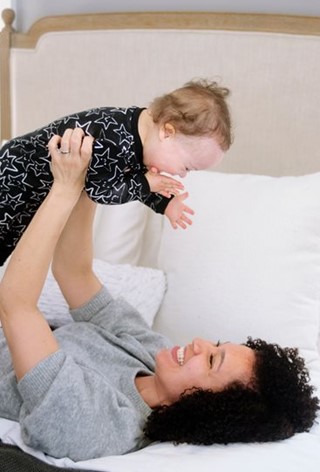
(250,263)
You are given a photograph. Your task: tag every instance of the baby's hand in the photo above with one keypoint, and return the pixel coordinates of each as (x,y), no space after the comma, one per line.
(166,186)
(176,212)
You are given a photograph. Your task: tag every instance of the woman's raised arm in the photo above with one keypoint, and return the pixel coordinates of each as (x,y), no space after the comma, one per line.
(72,260)
(29,337)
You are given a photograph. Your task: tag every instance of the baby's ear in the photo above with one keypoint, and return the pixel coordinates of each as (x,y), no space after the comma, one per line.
(169,130)
(166,130)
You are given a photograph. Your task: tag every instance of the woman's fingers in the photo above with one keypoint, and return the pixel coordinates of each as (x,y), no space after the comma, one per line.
(65,144)
(70,157)
(86,148)
(69,142)
(54,143)
(74,140)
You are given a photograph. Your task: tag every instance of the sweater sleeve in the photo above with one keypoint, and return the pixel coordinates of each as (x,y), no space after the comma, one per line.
(120,319)
(108,189)
(116,316)
(71,411)
(157,202)
(112,180)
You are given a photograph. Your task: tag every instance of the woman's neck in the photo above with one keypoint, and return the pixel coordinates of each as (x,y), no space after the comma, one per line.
(146,387)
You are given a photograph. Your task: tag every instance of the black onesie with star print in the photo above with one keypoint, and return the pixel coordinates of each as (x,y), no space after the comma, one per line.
(115,175)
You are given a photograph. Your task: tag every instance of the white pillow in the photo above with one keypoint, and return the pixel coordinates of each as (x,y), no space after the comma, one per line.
(142,287)
(249,264)
(118,232)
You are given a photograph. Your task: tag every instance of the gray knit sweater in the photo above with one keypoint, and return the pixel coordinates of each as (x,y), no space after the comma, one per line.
(81,402)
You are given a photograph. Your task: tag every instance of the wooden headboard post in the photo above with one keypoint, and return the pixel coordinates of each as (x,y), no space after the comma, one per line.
(8,16)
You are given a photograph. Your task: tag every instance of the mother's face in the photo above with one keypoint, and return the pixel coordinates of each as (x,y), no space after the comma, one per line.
(201,364)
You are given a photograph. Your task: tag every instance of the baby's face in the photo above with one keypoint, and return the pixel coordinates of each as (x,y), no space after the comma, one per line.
(178,154)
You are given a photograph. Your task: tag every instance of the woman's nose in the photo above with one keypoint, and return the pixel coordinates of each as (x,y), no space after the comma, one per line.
(198,345)
(195,345)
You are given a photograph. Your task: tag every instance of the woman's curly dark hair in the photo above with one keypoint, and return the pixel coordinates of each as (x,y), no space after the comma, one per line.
(277,403)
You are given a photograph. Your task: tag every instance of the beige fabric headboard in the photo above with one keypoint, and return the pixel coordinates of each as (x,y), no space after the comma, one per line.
(270,63)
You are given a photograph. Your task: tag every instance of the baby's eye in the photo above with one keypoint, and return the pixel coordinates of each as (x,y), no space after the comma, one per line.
(218,343)
(211,360)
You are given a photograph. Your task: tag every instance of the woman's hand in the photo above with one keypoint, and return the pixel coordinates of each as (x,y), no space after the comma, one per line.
(165,186)
(177,212)
(70,157)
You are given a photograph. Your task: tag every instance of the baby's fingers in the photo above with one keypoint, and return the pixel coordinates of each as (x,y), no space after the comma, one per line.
(186,220)
(166,194)
(188,210)
(172,183)
(183,221)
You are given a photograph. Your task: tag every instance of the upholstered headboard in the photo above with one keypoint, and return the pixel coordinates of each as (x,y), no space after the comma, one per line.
(270,63)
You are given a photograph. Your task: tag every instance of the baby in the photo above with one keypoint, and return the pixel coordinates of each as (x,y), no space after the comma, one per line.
(133,151)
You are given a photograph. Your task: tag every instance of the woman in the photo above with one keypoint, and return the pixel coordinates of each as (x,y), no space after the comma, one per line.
(106,384)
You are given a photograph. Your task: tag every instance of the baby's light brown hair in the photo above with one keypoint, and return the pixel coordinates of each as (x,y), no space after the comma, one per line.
(199,108)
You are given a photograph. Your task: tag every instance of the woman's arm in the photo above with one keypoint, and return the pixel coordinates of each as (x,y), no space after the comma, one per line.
(28,335)
(72,260)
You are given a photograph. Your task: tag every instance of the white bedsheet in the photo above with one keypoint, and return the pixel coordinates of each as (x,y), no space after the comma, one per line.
(297,454)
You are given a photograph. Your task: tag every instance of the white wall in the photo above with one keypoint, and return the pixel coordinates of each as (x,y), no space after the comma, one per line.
(29,11)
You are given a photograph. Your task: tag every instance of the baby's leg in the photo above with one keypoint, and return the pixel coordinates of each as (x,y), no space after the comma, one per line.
(14,219)
(18,200)
(25,180)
